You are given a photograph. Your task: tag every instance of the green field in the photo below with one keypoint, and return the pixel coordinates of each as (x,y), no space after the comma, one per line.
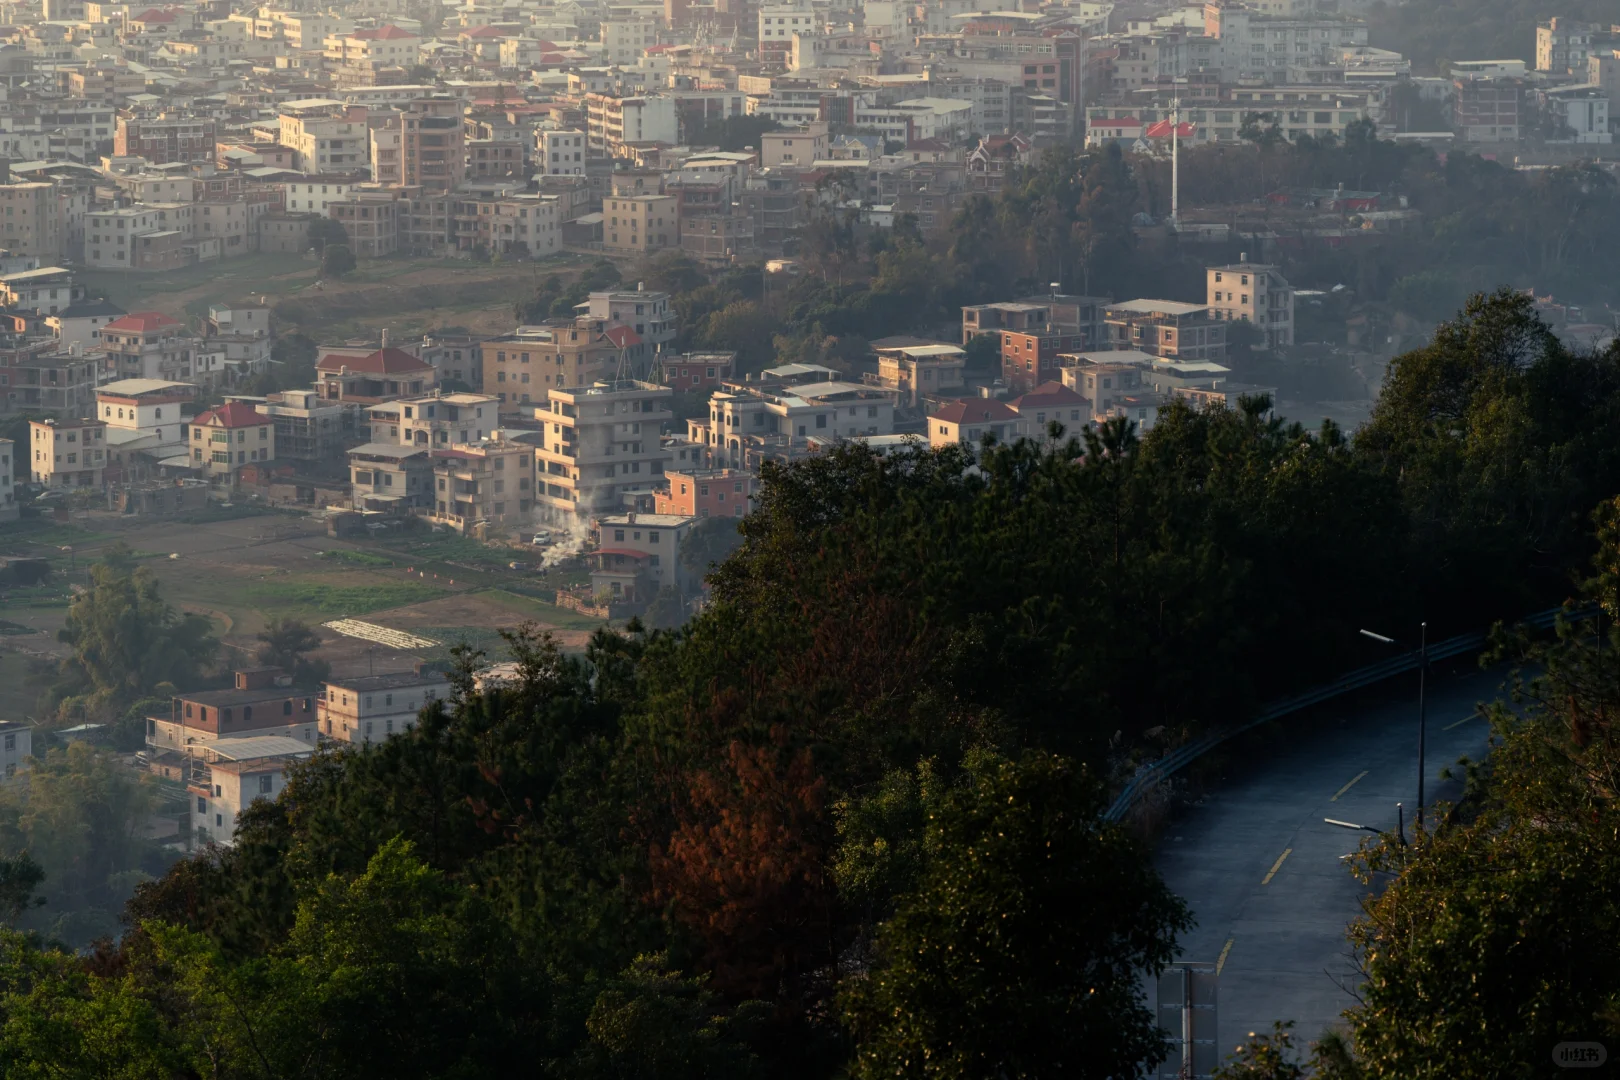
(222,282)
(307,598)
(351,557)
(540,611)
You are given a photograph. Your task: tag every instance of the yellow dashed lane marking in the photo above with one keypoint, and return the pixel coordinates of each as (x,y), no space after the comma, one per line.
(1276,866)
(1346,788)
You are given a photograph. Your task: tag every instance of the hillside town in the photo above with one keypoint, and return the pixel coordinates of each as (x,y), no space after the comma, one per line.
(611,511)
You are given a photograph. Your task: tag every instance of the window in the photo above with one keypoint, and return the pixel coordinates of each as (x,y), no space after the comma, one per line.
(11,742)
(219,820)
(264,785)
(202,805)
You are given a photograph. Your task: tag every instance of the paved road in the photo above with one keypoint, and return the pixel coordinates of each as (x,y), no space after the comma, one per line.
(1261,870)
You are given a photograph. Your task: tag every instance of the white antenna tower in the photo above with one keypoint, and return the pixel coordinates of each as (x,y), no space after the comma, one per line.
(1175,162)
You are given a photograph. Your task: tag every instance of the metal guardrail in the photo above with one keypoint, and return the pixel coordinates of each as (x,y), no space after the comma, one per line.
(1153,773)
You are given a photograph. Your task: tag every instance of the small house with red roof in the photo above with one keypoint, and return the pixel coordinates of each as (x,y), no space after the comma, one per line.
(154,22)
(223,440)
(148,345)
(369,377)
(968,421)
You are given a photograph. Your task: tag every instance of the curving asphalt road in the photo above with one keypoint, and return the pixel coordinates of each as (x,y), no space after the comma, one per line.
(1261,870)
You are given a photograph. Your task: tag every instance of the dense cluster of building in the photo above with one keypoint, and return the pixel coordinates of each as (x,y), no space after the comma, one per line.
(145,139)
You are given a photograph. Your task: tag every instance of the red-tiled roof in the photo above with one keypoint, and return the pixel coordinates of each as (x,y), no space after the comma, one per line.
(388,361)
(142,321)
(622,336)
(382,33)
(154,15)
(232,414)
(1048,395)
(974,411)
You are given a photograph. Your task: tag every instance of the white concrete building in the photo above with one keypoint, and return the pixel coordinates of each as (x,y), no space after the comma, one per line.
(1253,293)
(600,442)
(624,40)
(314,195)
(229,775)
(369,709)
(16,743)
(562,153)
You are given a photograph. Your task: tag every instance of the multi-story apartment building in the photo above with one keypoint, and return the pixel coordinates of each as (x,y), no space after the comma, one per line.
(106,83)
(307,427)
(1253,293)
(368,378)
(420,143)
(1167,328)
(142,415)
(687,373)
(637,556)
(1030,357)
(387,476)
(371,708)
(372,221)
(1584,111)
(227,776)
(147,345)
(647,312)
(1487,109)
(748,420)
(229,437)
(612,121)
(522,225)
(68,453)
(16,746)
(46,291)
(968,421)
(136,238)
(315,194)
(1266,46)
(325,136)
(640,224)
(600,443)
(916,372)
(523,367)
(360,56)
(778,23)
(262,704)
(165,138)
(30,220)
(9,509)
(1562,46)
(60,382)
(442,420)
(486,485)
(561,153)
(625,40)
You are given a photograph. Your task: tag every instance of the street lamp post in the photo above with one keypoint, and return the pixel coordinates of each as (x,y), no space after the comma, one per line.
(1423,672)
